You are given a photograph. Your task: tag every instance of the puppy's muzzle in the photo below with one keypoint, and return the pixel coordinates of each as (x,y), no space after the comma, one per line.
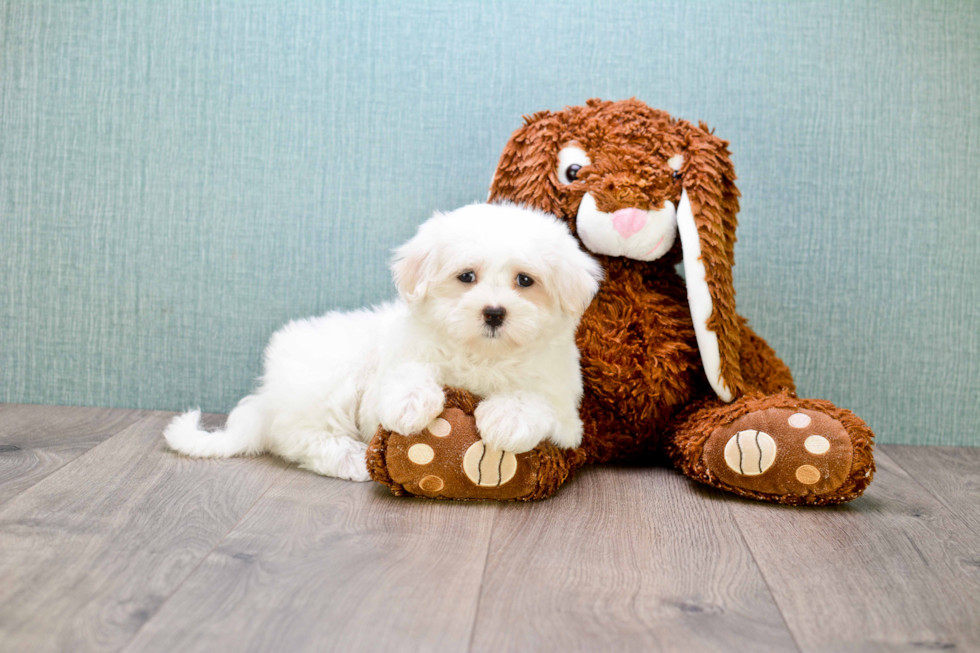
(493,316)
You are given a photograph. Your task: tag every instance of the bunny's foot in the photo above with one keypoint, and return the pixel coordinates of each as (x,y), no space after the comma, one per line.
(778,448)
(448,460)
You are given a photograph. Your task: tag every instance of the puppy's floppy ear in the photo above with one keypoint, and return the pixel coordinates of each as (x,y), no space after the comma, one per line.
(574,278)
(414,264)
(527,173)
(706,220)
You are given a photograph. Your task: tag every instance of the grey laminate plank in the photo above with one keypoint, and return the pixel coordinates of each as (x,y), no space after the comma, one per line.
(36,440)
(951,474)
(91,552)
(624,560)
(892,570)
(321,564)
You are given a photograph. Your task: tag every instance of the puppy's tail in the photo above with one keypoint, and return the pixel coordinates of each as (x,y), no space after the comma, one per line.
(242,433)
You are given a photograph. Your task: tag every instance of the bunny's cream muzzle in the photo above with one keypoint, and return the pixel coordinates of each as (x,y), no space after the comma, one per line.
(630,232)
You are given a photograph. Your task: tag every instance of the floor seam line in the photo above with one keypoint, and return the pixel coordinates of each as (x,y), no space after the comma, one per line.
(57,469)
(913,477)
(765,581)
(951,511)
(483,577)
(203,558)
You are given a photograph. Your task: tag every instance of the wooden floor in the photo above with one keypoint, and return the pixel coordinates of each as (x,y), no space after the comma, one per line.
(108,541)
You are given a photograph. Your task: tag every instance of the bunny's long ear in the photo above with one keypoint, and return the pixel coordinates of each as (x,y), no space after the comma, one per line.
(527,160)
(706,220)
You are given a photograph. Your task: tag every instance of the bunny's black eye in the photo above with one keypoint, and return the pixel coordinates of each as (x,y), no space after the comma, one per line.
(525,281)
(571,160)
(467,277)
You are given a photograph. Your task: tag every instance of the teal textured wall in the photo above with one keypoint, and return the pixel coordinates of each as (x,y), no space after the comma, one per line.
(177,179)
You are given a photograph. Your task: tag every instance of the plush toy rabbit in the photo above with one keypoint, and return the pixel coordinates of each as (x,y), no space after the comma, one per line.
(668,364)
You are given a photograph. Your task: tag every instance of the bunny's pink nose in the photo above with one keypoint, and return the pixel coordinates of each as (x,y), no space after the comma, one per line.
(629,221)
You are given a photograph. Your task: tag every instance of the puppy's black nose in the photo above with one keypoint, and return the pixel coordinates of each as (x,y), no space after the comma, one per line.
(493,316)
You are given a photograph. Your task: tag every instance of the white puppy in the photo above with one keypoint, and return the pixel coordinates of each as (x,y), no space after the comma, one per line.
(491,296)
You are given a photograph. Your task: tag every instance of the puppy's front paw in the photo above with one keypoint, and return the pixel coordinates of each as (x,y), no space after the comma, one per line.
(509,424)
(411,409)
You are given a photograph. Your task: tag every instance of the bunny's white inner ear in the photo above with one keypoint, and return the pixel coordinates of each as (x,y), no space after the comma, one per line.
(699,298)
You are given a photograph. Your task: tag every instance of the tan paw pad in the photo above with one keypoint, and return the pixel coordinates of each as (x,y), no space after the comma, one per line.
(431,483)
(440,428)
(488,467)
(421,454)
(807,474)
(750,452)
(817,445)
(799,420)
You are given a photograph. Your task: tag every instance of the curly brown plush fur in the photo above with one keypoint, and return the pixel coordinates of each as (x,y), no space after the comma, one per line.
(646,389)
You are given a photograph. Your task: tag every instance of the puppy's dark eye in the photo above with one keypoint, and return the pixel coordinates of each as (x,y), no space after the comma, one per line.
(524,281)
(467,277)
(572,172)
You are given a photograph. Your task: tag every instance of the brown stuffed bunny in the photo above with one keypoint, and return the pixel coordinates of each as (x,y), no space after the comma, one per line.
(667,364)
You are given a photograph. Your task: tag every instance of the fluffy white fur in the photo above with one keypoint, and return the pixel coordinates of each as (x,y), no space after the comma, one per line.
(330,381)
